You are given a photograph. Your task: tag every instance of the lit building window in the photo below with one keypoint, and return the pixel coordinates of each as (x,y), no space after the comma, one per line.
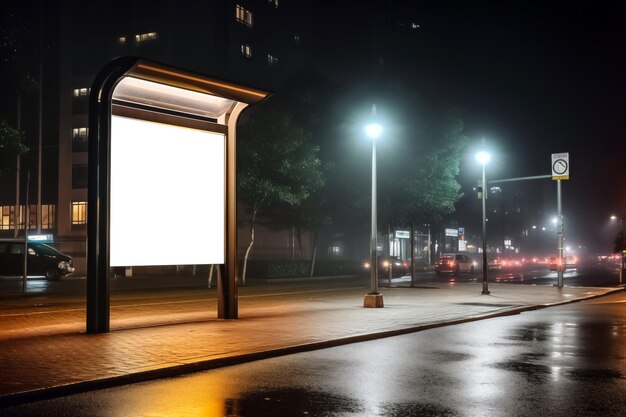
(79,212)
(246,50)
(81,92)
(121,40)
(79,139)
(79,176)
(244,16)
(271,60)
(6,217)
(47,216)
(80,133)
(32,216)
(335,250)
(274,2)
(145,37)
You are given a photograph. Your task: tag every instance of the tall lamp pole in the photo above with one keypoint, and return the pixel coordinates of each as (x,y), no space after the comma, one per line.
(559,234)
(483,157)
(621,255)
(373,299)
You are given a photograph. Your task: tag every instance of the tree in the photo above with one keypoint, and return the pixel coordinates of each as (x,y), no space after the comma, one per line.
(11,145)
(430,189)
(277,165)
(311,215)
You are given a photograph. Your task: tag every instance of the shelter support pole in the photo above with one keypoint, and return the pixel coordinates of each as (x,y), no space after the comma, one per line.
(228,276)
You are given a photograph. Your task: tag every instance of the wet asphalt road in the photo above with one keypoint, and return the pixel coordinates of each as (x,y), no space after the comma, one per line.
(73,288)
(561,361)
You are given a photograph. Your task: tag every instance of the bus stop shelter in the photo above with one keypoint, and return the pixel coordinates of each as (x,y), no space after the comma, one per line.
(157,134)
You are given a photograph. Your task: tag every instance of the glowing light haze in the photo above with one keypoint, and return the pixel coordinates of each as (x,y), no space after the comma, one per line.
(373,130)
(483,157)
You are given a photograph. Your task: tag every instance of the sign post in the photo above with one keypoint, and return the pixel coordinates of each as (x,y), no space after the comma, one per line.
(560,171)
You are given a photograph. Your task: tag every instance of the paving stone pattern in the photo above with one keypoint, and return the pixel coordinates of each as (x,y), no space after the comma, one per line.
(46,350)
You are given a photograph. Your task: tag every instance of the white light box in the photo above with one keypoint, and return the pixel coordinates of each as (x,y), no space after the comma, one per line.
(167,194)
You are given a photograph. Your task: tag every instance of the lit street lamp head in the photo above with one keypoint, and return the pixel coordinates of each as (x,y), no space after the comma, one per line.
(483,157)
(613,217)
(373,130)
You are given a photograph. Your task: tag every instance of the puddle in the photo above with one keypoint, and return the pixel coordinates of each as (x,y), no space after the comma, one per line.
(531,371)
(416,409)
(449,356)
(585,374)
(289,403)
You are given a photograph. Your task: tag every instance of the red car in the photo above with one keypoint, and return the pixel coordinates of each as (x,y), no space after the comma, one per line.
(454,263)
(570,262)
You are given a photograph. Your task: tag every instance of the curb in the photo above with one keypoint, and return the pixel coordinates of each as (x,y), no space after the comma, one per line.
(8,400)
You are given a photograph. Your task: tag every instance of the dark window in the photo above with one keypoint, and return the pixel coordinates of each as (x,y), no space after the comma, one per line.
(17,248)
(79,176)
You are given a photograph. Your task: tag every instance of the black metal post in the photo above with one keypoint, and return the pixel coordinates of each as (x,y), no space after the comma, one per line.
(485,290)
(100,98)
(412,254)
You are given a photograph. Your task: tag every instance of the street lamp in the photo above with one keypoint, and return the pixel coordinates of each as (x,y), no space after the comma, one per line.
(621,236)
(373,299)
(483,158)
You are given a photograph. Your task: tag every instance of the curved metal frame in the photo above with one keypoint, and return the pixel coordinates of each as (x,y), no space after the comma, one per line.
(98,215)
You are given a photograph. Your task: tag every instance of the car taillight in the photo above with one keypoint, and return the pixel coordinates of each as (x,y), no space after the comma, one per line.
(450,263)
(406,265)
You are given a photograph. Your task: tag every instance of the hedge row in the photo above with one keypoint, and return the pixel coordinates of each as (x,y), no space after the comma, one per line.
(289,268)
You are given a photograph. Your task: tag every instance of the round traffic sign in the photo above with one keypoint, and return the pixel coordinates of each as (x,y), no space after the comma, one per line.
(559,167)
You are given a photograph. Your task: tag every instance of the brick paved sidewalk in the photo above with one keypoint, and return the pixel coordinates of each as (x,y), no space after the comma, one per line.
(39,366)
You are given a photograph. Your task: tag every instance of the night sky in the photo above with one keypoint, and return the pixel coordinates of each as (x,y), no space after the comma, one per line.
(532,78)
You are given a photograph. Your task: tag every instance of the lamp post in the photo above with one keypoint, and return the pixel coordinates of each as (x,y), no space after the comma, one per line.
(621,255)
(483,157)
(373,299)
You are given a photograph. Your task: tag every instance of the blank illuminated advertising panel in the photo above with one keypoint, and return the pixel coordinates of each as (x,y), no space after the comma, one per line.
(167,194)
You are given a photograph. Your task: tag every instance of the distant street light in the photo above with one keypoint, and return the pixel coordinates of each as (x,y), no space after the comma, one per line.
(373,130)
(373,298)
(483,157)
(621,255)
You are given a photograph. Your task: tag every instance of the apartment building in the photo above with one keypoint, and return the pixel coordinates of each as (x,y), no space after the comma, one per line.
(254,42)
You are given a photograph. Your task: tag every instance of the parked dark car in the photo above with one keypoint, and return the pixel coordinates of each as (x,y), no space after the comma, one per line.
(42,260)
(399,267)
